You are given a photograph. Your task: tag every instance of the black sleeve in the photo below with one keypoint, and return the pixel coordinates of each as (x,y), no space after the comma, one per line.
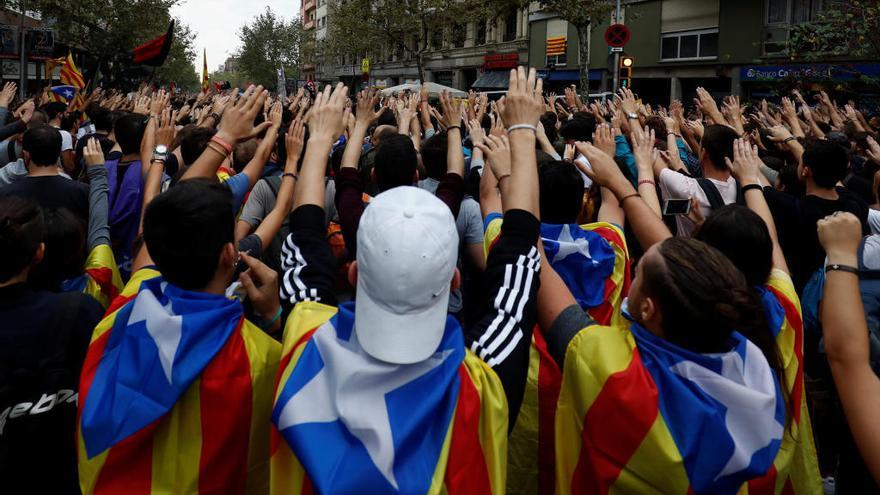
(568,324)
(502,336)
(307,262)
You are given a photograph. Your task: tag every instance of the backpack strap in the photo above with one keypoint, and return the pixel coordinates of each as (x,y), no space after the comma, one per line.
(712,194)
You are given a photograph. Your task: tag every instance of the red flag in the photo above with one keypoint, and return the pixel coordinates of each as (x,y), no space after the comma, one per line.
(155,51)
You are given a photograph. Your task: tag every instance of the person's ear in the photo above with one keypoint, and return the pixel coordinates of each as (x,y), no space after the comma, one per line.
(415,178)
(39,254)
(353,273)
(373,174)
(649,312)
(456,280)
(228,256)
(26,156)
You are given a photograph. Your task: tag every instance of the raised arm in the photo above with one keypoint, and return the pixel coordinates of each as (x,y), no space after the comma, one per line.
(746,168)
(306,258)
(452,120)
(648,227)
(99,190)
(237,124)
(269,227)
(254,168)
(846,336)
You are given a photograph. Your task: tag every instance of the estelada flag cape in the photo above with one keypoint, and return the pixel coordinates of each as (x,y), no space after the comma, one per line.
(796,468)
(348,423)
(101,278)
(593,261)
(637,414)
(160,376)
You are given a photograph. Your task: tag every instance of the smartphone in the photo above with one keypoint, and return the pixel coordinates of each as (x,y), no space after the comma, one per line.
(676,207)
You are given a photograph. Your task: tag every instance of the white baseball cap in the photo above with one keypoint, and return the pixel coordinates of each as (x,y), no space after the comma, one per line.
(407,252)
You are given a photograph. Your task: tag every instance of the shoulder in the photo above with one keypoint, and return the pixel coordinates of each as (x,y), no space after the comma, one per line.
(601,349)
(782,287)
(264,352)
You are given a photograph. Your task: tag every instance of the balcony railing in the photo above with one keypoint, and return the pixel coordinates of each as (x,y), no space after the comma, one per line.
(308,5)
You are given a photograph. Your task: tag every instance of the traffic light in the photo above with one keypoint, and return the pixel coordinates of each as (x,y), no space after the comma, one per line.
(624,71)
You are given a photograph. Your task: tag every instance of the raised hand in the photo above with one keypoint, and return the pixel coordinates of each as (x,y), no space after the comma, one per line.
(451,110)
(643,148)
(294,142)
(159,102)
(497,152)
(627,101)
(366,102)
(25,111)
(92,153)
(237,123)
(478,135)
(746,165)
(603,169)
(275,115)
(326,118)
(8,94)
(142,105)
(840,234)
(166,131)
(524,102)
(603,139)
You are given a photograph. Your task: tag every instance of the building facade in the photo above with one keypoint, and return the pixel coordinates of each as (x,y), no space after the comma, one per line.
(738,47)
(307,12)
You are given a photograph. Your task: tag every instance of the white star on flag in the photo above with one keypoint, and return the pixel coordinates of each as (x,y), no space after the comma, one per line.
(751,405)
(351,387)
(162,324)
(568,245)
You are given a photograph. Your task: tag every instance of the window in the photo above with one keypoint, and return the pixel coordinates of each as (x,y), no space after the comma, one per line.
(510,26)
(437,38)
(481,33)
(793,11)
(556,60)
(458,35)
(689,45)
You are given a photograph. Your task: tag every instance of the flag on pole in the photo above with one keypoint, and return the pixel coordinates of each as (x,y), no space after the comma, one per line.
(51,64)
(70,74)
(205,71)
(155,51)
(282,81)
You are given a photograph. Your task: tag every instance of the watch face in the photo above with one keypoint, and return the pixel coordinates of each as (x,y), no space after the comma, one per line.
(161,149)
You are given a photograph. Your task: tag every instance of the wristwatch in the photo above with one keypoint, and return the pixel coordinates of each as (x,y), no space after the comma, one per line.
(632,116)
(160,153)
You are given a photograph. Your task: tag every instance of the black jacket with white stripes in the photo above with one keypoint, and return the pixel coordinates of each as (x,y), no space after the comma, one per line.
(501,337)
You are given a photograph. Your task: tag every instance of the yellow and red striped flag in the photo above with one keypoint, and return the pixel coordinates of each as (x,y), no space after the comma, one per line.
(205,71)
(556,46)
(71,75)
(196,418)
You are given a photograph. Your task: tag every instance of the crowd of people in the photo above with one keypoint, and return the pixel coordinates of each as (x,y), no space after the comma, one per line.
(412,293)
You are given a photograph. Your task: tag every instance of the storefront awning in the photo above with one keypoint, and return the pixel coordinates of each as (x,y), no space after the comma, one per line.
(492,79)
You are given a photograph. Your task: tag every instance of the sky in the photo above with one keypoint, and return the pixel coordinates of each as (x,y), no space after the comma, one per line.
(216,23)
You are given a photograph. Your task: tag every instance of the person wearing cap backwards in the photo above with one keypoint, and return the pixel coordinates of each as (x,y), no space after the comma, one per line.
(381,395)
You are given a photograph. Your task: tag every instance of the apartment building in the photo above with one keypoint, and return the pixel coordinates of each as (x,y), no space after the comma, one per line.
(723,45)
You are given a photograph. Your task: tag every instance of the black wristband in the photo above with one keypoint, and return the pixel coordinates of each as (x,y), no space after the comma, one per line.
(454,127)
(289,174)
(841,268)
(216,117)
(749,187)
(789,138)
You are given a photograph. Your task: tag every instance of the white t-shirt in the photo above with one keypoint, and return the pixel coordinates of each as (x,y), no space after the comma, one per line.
(874,220)
(678,186)
(66,140)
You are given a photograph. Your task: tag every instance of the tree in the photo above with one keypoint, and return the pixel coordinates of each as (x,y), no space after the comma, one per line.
(268,43)
(850,28)
(364,27)
(236,79)
(180,66)
(580,14)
